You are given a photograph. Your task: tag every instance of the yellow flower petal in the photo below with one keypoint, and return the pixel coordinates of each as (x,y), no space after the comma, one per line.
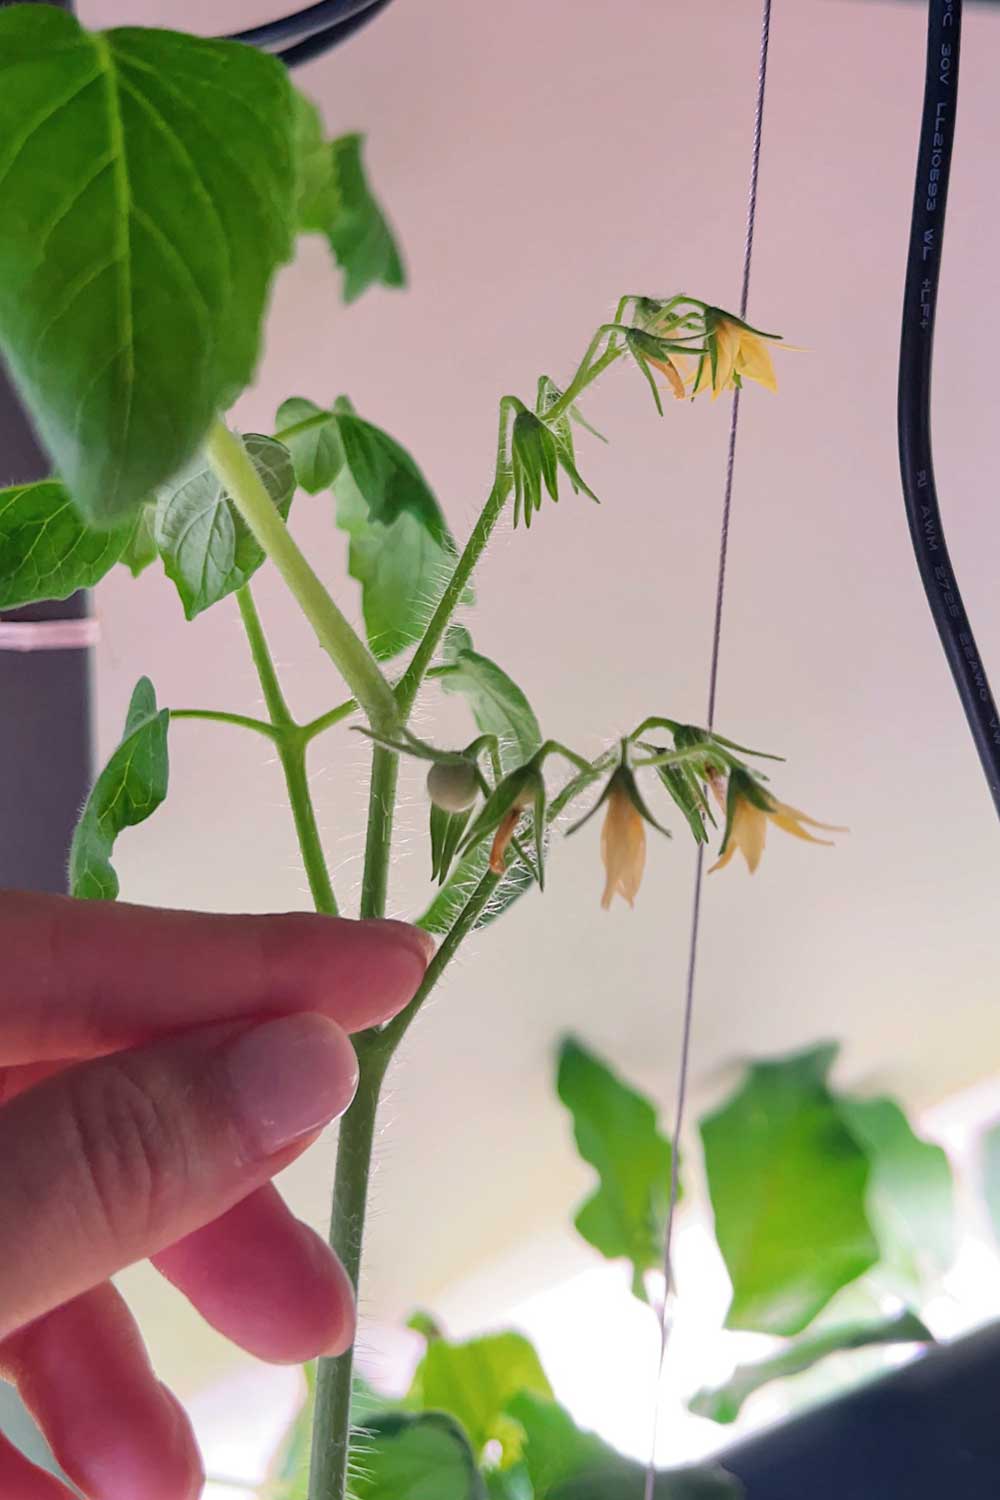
(673,377)
(623,848)
(749,832)
(727,348)
(753,362)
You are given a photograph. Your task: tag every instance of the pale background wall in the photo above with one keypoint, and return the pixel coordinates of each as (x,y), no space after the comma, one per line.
(539,158)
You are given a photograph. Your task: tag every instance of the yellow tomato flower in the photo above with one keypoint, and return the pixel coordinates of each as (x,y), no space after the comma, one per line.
(749,809)
(741,353)
(623,845)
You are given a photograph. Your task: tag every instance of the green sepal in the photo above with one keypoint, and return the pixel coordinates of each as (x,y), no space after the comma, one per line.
(525,782)
(534,461)
(547,396)
(130,788)
(713,314)
(446,835)
(683,786)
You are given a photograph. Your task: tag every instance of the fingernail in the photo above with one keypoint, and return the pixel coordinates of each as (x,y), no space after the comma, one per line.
(288,1078)
(419,942)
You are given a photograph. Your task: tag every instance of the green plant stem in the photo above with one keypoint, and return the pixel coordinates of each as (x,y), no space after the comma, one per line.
(291,745)
(409,683)
(326,721)
(293,763)
(381,808)
(234,469)
(277,708)
(218,717)
(386,1041)
(332,1422)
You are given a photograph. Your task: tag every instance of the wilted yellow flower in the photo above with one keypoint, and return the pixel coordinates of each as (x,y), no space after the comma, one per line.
(740,352)
(623,844)
(670,369)
(507,827)
(749,809)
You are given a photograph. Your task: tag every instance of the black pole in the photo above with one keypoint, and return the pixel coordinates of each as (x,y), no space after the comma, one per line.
(45,743)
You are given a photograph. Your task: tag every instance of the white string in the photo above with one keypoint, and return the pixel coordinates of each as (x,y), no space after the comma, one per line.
(720,589)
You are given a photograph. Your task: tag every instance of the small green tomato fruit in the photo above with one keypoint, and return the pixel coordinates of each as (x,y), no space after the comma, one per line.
(453,788)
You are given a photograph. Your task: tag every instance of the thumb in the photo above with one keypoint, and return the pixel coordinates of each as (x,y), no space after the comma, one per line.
(110,1161)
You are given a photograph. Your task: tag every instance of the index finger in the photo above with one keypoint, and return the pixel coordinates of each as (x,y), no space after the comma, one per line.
(81,978)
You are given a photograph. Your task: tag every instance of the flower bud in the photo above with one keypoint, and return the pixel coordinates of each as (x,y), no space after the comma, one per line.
(453,786)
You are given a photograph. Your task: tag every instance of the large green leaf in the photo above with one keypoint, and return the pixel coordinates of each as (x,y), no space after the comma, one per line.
(616,1132)
(315,447)
(207,548)
(141,549)
(335,200)
(723,1403)
(475,1381)
(130,788)
(148,188)
(401,551)
(426,1457)
(563,1462)
(498,705)
(46,550)
(788,1184)
(402,571)
(910,1190)
(385,476)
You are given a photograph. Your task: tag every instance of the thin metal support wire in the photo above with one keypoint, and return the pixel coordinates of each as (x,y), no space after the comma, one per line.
(713,678)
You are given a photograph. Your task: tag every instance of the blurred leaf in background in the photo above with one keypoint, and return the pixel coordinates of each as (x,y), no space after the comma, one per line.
(616,1131)
(788,1183)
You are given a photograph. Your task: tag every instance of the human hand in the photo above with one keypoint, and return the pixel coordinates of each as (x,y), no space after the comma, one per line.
(157,1068)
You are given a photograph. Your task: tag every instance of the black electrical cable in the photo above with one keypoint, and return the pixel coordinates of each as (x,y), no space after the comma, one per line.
(300,22)
(916,345)
(332,36)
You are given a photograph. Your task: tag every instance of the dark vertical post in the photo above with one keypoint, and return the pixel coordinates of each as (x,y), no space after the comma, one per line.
(44,705)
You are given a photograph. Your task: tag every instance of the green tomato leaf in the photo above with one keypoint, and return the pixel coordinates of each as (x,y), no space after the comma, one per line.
(335,200)
(141,549)
(563,1461)
(498,705)
(207,548)
(316,452)
(130,788)
(400,1457)
(475,1381)
(463,880)
(616,1132)
(378,469)
(910,1189)
(46,550)
(148,190)
(723,1404)
(788,1184)
(402,571)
